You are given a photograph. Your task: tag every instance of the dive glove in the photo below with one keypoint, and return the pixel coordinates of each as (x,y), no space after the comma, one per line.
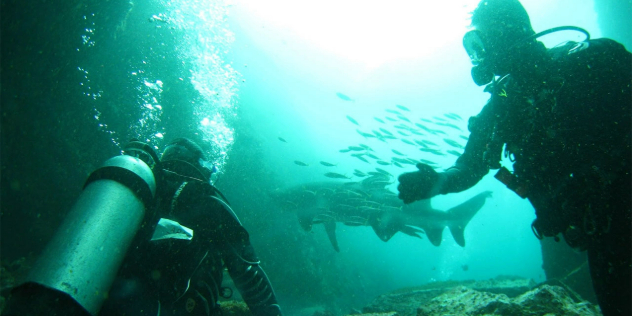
(418,185)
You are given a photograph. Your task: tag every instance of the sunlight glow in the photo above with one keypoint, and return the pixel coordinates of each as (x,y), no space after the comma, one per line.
(368,31)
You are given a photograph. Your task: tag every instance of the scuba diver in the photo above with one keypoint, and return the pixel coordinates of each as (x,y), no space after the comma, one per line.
(176,262)
(147,236)
(563,118)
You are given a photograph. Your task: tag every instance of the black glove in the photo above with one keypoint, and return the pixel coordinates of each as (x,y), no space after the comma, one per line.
(418,185)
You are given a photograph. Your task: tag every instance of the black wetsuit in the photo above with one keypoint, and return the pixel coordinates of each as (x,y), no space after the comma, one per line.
(183,277)
(568,134)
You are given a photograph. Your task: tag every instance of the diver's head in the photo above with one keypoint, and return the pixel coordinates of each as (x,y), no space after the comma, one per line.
(501,29)
(184,156)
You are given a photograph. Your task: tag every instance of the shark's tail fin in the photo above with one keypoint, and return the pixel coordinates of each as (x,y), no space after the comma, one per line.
(463,213)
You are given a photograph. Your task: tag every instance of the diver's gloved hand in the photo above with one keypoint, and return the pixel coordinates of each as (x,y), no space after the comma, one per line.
(418,185)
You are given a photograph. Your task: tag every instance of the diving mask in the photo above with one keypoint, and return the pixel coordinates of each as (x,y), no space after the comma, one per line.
(481,54)
(475,47)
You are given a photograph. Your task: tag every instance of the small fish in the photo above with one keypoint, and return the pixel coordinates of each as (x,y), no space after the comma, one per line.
(428,150)
(365,147)
(449,125)
(385,131)
(390,208)
(453,152)
(453,116)
(359,174)
(438,153)
(391,119)
(335,175)
(438,118)
(453,143)
(393,112)
(397,152)
(426,120)
(383,163)
(397,164)
(327,164)
(359,156)
(464,137)
(420,143)
(402,133)
(379,120)
(417,132)
(356,148)
(352,120)
(424,127)
(363,134)
(428,142)
(404,161)
(428,162)
(381,183)
(432,151)
(401,107)
(382,171)
(372,156)
(300,163)
(283,140)
(344,97)
(346,150)
(407,142)
(403,118)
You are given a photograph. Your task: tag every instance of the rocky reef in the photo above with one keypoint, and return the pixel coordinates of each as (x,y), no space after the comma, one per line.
(503,296)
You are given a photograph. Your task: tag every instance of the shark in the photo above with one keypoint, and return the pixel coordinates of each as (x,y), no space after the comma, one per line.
(370,203)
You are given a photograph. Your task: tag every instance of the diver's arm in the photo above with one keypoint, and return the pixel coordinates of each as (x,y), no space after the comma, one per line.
(469,168)
(243,265)
(250,279)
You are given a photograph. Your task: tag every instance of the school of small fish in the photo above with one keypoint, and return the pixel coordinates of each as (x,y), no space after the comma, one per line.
(398,126)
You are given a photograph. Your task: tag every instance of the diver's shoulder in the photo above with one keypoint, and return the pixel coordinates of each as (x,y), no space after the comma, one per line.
(593,48)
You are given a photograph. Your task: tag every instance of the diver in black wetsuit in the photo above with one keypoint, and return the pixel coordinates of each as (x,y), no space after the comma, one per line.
(176,263)
(563,117)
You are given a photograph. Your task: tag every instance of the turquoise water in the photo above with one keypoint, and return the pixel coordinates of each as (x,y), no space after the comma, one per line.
(261,85)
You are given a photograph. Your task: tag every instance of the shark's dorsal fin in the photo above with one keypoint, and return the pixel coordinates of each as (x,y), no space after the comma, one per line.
(330,228)
(435,235)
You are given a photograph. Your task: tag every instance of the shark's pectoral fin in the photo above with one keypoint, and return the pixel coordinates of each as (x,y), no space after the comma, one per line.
(381,227)
(306,221)
(330,228)
(411,231)
(435,235)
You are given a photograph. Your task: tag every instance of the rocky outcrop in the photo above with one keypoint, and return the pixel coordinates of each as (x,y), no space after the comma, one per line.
(545,300)
(406,301)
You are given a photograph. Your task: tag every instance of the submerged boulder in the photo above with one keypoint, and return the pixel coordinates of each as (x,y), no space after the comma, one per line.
(406,301)
(545,300)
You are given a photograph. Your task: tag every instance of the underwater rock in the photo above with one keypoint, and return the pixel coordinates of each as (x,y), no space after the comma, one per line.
(376,314)
(234,308)
(406,301)
(545,300)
